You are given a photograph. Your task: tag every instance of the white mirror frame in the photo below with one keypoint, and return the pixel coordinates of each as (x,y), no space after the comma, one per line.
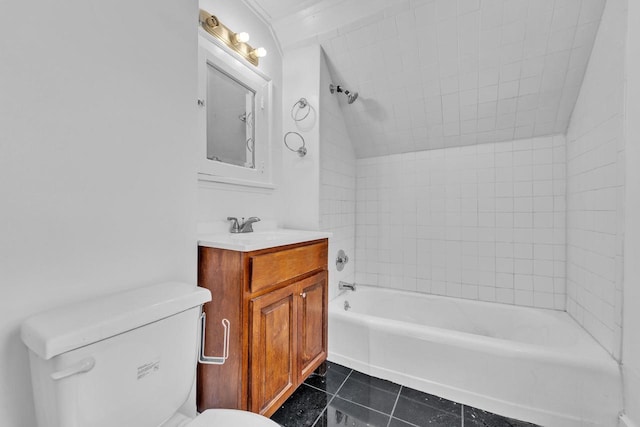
(215,53)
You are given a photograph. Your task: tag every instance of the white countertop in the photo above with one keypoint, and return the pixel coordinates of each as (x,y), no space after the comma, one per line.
(246,242)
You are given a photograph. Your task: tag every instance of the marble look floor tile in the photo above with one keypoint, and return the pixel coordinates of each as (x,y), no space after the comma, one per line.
(423,409)
(412,395)
(303,407)
(333,379)
(361,400)
(399,423)
(375,382)
(344,413)
(422,417)
(370,392)
(474,417)
(331,366)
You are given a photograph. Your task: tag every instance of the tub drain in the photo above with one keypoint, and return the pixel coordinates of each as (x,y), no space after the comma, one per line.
(347,306)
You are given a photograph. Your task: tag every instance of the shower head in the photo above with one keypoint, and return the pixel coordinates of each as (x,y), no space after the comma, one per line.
(351,96)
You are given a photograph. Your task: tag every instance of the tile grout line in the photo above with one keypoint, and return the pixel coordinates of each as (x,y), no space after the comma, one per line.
(363,406)
(394,406)
(377,388)
(333,396)
(462,414)
(342,383)
(356,403)
(323,410)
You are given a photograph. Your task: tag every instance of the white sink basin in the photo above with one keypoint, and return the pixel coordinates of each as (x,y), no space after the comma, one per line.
(246,242)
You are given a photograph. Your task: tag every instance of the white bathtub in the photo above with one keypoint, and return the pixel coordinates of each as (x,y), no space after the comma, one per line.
(530,364)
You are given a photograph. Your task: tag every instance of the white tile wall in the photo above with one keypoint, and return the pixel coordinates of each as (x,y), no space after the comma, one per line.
(444,73)
(595,192)
(483,222)
(337,184)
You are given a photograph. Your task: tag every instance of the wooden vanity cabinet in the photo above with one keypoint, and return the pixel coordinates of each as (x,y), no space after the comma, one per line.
(276,301)
(288,340)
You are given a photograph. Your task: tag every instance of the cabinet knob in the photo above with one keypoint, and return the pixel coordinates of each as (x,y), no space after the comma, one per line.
(303,294)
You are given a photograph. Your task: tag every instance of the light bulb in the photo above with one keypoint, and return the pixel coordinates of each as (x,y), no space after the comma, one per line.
(260,52)
(242,37)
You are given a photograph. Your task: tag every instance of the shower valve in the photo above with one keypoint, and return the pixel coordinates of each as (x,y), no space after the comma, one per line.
(341,260)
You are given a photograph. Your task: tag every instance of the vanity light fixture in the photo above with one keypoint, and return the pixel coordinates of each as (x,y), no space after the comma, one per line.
(236,41)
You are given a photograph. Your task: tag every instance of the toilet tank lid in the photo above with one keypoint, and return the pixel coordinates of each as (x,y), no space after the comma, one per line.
(77,325)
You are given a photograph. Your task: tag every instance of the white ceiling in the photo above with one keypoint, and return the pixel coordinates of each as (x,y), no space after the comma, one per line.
(442,73)
(274,10)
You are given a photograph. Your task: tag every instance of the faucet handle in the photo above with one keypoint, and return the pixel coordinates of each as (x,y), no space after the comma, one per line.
(246,226)
(235,227)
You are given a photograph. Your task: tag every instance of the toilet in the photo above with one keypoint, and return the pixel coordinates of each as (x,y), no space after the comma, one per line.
(126,360)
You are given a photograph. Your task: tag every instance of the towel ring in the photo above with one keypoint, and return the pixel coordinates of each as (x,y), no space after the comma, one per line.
(302,151)
(302,104)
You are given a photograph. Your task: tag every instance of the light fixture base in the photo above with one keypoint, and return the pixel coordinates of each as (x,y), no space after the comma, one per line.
(213,26)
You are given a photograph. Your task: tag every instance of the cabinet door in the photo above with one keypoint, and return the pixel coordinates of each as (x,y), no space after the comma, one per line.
(312,324)
(273,351)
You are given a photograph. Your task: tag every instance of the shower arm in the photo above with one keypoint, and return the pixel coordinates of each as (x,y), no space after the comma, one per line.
(351,96)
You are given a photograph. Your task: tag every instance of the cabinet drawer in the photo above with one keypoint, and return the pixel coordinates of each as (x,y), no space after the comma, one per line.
(275,267)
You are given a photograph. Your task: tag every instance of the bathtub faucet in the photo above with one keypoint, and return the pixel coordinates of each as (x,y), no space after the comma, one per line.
(344,285)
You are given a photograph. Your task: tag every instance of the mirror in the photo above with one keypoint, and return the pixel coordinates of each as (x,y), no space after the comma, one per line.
(230,114)
(234,118)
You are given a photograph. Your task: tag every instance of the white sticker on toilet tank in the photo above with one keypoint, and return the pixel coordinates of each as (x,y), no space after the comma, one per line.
(148,369)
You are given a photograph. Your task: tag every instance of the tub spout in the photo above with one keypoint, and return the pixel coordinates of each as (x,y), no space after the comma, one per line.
(344,285)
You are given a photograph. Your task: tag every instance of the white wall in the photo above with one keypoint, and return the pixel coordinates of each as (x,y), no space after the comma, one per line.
(631,329)
(337,182)
(482,222)
(301,175)
(595,186)
(97,160)
(218,201)
(319,188)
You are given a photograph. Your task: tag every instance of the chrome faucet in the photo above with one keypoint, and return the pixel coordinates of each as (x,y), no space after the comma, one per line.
(242,226)
(246,226)
(344,285)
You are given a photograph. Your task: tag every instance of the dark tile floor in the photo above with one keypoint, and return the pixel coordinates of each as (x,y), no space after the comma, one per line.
(345,397)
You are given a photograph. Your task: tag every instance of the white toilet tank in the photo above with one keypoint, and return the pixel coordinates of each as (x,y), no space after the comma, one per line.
(125,360)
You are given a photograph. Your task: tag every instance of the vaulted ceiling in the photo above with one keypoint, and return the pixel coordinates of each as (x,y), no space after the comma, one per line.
(444,73)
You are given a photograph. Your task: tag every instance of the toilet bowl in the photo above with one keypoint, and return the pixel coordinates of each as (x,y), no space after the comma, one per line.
(231,418)
(126,360)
